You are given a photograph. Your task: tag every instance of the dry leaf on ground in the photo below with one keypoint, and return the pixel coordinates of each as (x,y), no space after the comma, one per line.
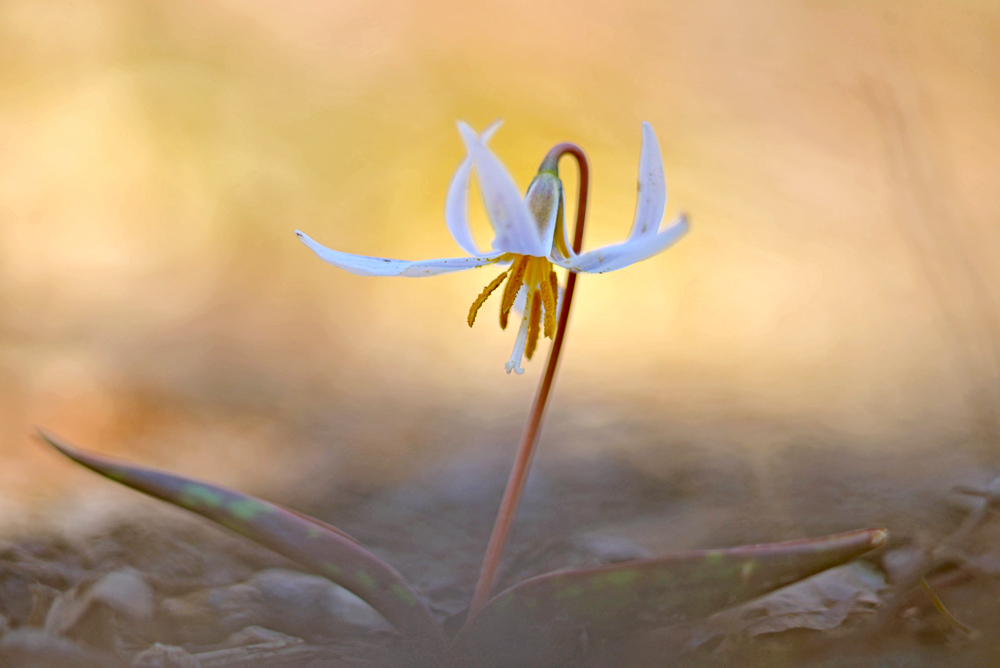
(821,603)
(86,612)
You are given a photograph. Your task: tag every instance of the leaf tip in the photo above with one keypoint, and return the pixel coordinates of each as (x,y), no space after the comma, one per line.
(47,437)
(71,451)
(879,538)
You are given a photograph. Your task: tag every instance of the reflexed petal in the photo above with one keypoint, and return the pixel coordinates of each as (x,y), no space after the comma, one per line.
(457,203)
(611,258)
(363,265)
(652,195)
(516,232)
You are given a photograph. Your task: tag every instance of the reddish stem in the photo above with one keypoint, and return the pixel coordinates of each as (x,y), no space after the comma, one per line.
(525,451)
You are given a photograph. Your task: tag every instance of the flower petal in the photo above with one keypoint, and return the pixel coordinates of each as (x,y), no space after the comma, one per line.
(516,232)
(619,256)
(652,195)
(457,203)
(363,265)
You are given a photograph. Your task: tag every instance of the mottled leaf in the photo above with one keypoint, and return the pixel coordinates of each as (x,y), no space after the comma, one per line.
(317,546)
(538,621)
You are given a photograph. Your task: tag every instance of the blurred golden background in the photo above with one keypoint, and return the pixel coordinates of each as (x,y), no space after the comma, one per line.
(839,161)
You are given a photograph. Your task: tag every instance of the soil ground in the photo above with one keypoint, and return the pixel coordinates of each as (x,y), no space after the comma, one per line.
(578,511)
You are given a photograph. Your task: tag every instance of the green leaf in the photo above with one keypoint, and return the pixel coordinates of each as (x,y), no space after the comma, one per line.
(538,621)
(318,547)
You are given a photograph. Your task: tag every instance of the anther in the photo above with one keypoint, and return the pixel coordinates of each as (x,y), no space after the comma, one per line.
(535,306)
(484,295)
(511,289)
(549,289)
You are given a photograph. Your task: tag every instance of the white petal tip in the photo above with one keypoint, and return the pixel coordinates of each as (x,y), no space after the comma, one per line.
(471,139)
(469,136)
(490,130)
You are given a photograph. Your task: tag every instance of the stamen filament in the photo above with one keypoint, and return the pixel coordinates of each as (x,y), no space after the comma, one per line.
(483,296)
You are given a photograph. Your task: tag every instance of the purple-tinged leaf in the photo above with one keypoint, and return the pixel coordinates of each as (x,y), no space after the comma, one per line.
(317,546)
(539,620)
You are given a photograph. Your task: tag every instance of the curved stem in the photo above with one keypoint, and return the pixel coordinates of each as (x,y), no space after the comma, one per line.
(526,449)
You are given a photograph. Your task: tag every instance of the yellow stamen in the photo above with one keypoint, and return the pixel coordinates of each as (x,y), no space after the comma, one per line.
(535,306)
(512,287)
(483,296)
(549,290)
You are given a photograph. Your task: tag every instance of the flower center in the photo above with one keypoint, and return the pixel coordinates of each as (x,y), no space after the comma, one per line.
(541,287)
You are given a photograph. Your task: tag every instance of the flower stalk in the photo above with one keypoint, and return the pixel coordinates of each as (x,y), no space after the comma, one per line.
(532,429)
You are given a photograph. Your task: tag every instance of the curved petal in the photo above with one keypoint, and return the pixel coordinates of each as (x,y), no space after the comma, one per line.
(516,232)
(362,265)
(619,256)
(652,194)
(457,203)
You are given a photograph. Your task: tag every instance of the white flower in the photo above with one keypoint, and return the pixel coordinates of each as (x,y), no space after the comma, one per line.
(530,237)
